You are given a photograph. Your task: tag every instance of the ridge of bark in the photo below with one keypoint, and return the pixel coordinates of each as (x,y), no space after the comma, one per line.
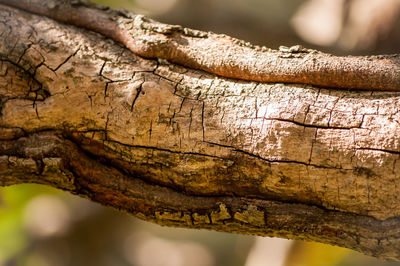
(220,54)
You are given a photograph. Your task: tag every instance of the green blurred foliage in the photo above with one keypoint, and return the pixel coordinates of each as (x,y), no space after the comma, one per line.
(12,203)
(313,254)
(100,236)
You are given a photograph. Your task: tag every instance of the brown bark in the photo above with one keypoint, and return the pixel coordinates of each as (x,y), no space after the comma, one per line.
(240,60)
(182,147)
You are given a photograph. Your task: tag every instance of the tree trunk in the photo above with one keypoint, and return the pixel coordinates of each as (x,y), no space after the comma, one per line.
(256,142)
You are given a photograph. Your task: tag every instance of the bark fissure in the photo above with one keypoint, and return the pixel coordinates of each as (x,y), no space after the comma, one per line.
(66,60)
(235,149)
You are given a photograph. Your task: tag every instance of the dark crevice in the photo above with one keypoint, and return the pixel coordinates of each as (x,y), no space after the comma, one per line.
(181,190)
(66,60)
(219,157)
(202,120)
(45,93)
(310,126)
(164,149)
(381,150)
(39,166)
(269,160)
(138,91)
(24,52)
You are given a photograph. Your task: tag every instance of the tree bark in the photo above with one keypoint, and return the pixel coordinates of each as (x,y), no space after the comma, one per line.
(179,146)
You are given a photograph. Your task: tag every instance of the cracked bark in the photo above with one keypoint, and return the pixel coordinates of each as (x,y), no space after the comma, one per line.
(182,147)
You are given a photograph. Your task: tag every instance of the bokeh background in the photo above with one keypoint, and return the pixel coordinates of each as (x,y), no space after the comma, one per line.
(41,226)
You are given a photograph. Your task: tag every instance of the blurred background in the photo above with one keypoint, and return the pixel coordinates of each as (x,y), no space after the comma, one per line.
(40,226)
(339,27)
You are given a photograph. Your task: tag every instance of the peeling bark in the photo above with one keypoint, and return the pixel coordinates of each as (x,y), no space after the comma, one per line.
(183,147)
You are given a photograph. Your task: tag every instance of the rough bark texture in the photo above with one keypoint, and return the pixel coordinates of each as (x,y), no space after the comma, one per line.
(182,147)
(203,50)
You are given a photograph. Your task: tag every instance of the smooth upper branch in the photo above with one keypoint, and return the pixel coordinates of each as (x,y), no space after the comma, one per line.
(221,54)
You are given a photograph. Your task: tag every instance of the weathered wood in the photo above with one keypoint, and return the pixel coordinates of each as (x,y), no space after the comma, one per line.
(221,54)
(182,147)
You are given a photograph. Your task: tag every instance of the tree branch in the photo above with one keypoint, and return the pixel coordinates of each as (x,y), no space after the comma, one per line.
(182,147)
(202,50)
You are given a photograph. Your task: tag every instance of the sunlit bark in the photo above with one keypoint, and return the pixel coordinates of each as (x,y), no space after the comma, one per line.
(184,147)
